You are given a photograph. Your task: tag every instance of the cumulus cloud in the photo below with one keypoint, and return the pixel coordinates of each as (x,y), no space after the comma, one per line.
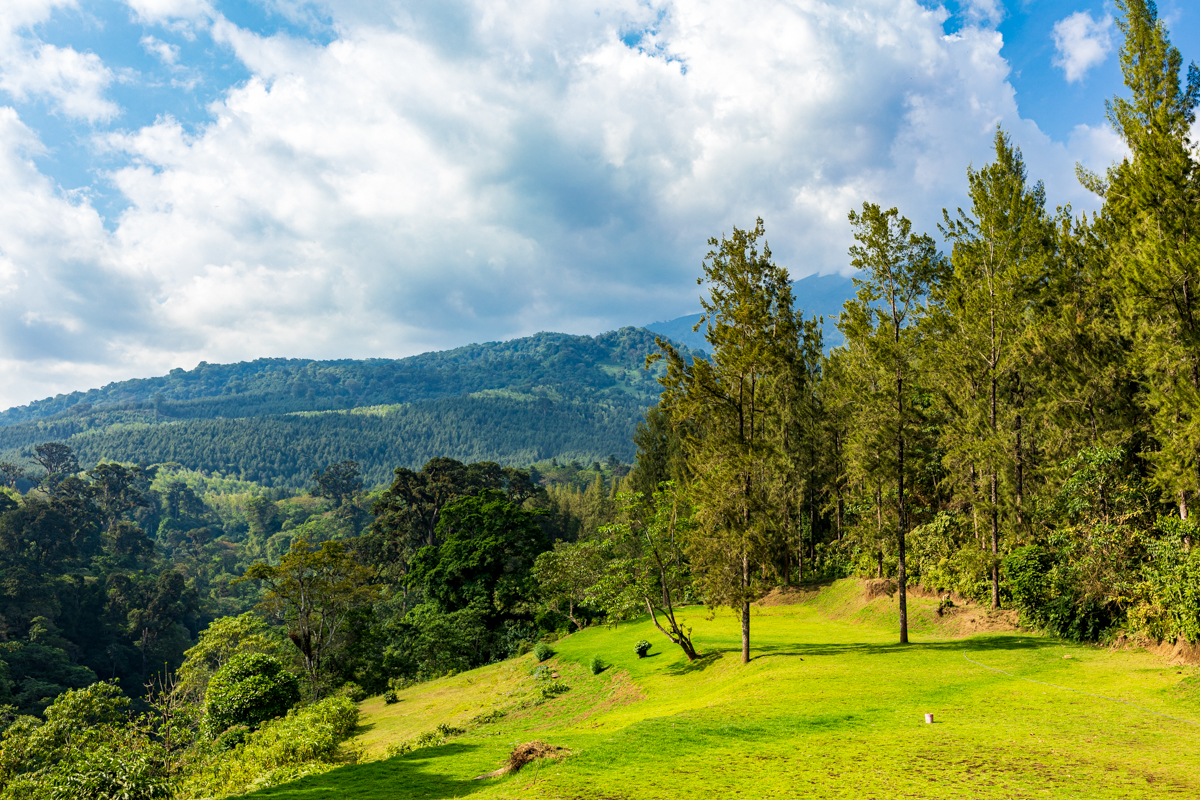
(73,82)
(165,52)
(1081,43)
(455,171)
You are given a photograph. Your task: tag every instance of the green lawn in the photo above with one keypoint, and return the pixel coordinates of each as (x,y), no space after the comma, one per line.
(828,707)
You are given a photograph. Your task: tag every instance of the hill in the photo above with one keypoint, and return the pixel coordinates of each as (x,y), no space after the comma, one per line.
(274,420)
(829,707)
(816,295)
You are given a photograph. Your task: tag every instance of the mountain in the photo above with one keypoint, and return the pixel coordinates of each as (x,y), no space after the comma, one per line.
(816,295)
(550,395)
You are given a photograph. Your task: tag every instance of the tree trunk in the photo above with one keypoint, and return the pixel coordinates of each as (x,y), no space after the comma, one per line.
(995,543)
(745,609)
(901,521)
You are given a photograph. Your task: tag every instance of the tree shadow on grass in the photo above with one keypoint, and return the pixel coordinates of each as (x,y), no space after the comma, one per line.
(975,644)
(406,776)
(702,662)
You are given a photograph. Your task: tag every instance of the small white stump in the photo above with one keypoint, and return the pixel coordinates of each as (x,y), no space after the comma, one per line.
(929,719)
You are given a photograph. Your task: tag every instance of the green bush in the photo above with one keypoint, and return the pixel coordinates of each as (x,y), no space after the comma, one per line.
(495,715)
(542,651)
(553,689)
(305,742)
(390,697)
(641,648)
(596,665)
(429,739)
(248,690)
(353,691)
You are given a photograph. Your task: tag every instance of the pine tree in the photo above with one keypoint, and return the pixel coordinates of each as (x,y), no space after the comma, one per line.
(883,341)
(1001,249)
(723,409)
(1152,217)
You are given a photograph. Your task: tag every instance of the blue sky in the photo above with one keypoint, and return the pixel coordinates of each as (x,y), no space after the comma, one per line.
(193,180)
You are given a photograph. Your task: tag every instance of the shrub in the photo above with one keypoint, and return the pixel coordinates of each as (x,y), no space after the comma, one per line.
(641,648)
(305,742)
(249,689)
(353,691)
(495,715)
(429,739)
(449,730)
(397,749)
(542,651)
(553,689)
(596,665)
(390,697)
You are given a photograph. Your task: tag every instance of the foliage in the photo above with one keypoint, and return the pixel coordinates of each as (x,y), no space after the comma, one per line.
(390,697)
(722,406)
(305,742)
(316,592)
(647,570)
(542,651)
(221,641)
(248,689)
(641,647)
(596,665)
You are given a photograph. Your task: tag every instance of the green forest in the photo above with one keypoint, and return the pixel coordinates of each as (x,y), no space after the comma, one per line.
(1014,423)
(274,421)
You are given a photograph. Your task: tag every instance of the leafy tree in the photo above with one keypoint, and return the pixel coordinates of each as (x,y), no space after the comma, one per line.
(338,482)
(58,461)
(248,689)
(316,593)
(487,552)
(565,574)
(883,343)
(223,639)
(726,404)
(647,571)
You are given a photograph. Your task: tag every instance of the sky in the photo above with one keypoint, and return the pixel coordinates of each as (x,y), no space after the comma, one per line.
(188,180)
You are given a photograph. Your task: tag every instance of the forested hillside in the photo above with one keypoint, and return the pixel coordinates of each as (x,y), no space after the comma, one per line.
(275,420)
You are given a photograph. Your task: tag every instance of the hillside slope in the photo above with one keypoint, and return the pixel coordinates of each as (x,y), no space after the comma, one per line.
(827,708)
(275,420)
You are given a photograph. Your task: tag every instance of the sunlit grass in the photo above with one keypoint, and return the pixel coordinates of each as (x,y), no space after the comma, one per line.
(829,706)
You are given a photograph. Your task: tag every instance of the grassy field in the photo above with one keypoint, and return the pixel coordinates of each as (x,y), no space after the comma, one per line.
(829,707)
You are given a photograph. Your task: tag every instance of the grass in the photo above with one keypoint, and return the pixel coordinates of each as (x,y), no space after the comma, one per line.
(828,707)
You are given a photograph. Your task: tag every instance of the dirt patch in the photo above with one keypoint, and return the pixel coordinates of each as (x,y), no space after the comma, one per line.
(878,587)
(1177,652)
(789,595)
(969,620)
(937,594)
(524,754)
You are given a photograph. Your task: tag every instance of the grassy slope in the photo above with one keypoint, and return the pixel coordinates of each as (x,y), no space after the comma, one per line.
(828,707)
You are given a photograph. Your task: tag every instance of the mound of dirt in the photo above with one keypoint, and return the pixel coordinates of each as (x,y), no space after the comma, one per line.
(789,595)
(522,755)
(1177,652)
(878,587)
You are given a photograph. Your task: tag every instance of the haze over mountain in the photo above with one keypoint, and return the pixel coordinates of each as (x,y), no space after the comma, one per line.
(816,295)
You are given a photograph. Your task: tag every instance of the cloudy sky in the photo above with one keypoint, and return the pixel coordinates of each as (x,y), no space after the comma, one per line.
(186,180)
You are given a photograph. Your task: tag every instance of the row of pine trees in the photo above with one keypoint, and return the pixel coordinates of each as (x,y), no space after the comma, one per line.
(1017,421)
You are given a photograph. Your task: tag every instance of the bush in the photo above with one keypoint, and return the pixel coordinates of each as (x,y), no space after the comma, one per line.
(390,697)
(249,689)
(430,739)
(553,689)
(542,651)
(305,742)
(397,749)
(449,730)
(596,665)
(353,691)
(495,715)
(641,648)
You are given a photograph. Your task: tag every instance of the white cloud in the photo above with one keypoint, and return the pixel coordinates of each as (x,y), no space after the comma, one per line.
(1082,43)
(164,51)
(455,171)
(74,82)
